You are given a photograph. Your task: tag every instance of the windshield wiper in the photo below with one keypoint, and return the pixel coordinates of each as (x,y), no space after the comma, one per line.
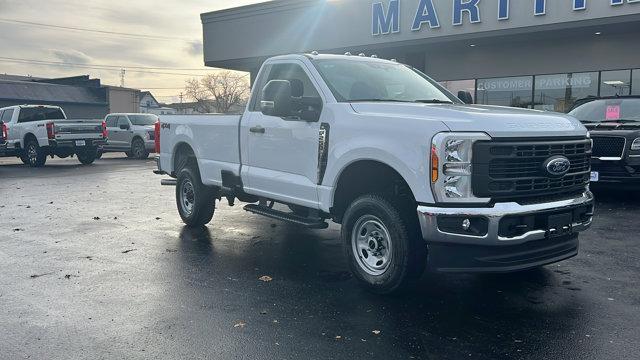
(377,100)
(434,101)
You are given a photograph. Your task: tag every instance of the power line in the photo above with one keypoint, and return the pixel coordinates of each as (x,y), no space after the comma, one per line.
(100,65)
(96,31)
(98,68)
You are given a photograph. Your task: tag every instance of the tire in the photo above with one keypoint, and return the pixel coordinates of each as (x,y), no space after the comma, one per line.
(195,201)
(138,149)
(99,154)
(383,244)
(35,155)
(87,157)
(129,154)
(23,157)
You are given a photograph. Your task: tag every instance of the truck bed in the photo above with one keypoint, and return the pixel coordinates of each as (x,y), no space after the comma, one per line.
(215,137)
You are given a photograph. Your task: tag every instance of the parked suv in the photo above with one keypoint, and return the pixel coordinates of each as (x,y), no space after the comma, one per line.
(131,133)
(614,124)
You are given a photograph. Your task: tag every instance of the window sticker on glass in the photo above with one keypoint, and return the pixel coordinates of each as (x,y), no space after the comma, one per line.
(613,112)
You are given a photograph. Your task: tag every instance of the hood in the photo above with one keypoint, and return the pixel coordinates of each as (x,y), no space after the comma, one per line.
(496,121)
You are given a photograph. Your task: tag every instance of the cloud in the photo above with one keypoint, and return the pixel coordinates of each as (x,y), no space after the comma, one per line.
(194,48)
(71,56)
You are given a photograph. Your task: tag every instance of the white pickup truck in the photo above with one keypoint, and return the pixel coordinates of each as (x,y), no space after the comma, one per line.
(37,131)
(415,176)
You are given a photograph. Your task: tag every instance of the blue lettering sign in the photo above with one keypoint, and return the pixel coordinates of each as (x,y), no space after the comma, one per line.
(503,9)
(540,7)
(579,4)
(385,23)
(469,6)
(426,13)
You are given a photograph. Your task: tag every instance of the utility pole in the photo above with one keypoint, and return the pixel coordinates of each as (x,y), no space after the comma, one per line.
(122,73)
(181,96)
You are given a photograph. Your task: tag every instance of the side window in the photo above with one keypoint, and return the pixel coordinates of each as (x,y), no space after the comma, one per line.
(258,85)
(122,121)
(112,121)
(301,85)
(6,116)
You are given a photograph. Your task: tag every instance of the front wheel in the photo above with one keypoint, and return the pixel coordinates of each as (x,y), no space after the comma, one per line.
(382,243)
(35,155)
(195,201)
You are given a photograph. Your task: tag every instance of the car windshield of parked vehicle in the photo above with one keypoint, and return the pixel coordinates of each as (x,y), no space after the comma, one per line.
(143,119)
(28,114)
(604,110)
(354,81)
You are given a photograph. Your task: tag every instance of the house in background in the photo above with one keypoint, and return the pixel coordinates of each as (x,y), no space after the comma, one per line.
(149,104)
(79,96)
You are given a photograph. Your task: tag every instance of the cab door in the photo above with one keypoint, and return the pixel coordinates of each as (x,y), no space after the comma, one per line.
(119,135)
(280,160)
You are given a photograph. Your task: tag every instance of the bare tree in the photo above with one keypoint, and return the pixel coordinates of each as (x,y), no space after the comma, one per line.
(218,92)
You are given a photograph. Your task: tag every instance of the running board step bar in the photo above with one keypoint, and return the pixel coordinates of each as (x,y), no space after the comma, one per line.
(287,217)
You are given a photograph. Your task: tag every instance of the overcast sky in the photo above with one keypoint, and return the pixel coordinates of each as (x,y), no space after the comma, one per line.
(178,22)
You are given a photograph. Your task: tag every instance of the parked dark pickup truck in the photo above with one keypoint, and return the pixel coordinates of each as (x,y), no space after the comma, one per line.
(614,125)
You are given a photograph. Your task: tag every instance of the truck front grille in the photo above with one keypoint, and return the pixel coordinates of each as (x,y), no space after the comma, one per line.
(608,146)
(507,170)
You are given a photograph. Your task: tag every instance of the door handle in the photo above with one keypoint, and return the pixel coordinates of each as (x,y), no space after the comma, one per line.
(257,129)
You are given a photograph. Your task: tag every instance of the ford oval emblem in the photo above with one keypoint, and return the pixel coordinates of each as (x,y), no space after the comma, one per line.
(557,166)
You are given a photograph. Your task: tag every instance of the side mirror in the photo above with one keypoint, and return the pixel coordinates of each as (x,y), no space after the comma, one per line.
(276,98)
(465,96)
(124,126)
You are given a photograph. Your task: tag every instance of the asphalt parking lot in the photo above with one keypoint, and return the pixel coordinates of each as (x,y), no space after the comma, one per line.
(95,263)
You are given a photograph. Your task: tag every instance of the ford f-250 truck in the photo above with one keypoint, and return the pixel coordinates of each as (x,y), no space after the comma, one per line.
(415,177)
(37,131)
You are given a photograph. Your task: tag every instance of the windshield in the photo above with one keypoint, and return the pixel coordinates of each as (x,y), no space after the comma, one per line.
(352,81)
(143,119)
(608,110)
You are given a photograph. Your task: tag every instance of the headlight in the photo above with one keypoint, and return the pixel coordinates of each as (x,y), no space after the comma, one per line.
(635,146)
(451,158)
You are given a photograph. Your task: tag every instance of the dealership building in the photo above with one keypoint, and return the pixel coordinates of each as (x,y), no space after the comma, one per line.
(542,54)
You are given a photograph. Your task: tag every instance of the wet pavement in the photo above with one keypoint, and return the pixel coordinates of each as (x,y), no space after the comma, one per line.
(95,263)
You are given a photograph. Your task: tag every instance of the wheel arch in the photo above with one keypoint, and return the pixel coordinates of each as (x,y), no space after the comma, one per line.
(182,154)
(368,176)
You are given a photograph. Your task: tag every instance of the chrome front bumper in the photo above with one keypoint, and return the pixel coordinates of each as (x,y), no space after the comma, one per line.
(428,216)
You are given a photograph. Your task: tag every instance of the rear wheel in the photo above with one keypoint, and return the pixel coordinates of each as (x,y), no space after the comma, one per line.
(36,157)
(382,243)
(138,149)
(87,156)
(195,201)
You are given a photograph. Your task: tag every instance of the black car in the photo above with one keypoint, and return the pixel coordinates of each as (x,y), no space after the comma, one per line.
(614,125)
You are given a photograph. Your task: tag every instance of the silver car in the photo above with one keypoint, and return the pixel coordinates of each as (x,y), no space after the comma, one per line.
(131,133)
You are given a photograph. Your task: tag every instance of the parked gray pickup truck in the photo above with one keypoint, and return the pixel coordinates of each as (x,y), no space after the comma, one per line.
(132,134)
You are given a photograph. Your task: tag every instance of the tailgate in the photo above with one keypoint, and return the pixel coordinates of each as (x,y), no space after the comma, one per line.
(79,130)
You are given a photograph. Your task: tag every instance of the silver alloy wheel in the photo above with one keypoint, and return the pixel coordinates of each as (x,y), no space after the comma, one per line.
(371,245)
(187,197)
(32,153)
(138,149)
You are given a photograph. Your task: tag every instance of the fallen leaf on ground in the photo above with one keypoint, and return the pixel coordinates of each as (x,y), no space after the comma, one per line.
(128,251)
(96,218)
(338,337)
(240,324)
(376,332)
(39,275)
(265,278)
